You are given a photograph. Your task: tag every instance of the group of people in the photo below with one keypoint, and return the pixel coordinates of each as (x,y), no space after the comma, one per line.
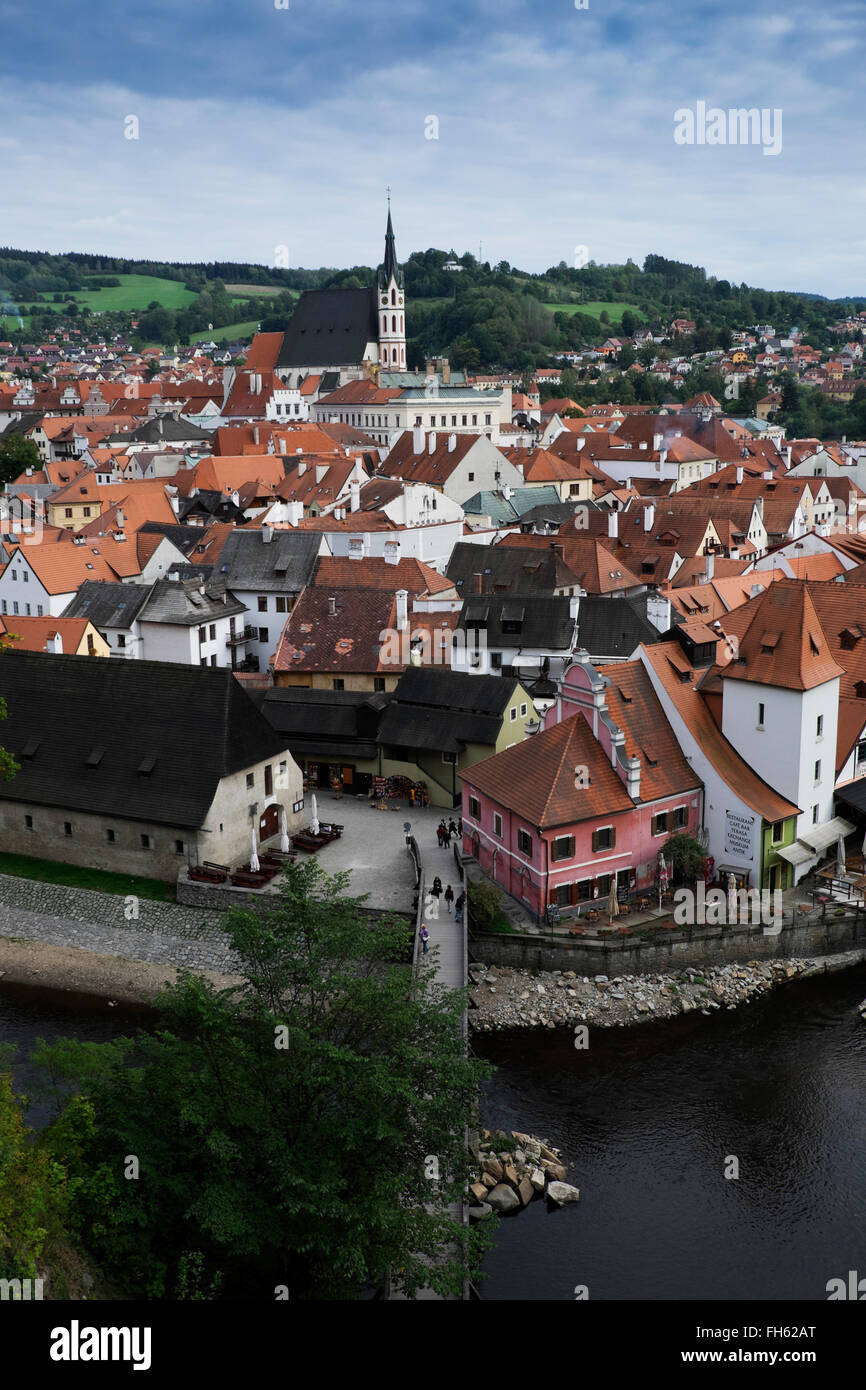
(445,832)
(458,903)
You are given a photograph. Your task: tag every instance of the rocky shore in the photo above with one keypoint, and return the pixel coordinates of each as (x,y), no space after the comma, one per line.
(504,998)
(512,1170)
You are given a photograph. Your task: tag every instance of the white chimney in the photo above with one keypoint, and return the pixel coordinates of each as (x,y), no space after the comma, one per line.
(710,569)
(255,434)
(788,453)
(657,441)
(739,473)
(649,517)
(658,611)
(417,440)
(267,533)
(452,443)
(54,643)
(355,495)
(302,468)
(663,454)
(431,442)
(402,597)
(332,607)
(613,524)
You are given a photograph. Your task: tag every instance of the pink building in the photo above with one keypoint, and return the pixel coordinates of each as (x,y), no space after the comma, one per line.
(591,799)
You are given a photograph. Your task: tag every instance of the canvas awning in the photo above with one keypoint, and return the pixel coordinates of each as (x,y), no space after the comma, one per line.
(821,837)
(797,854)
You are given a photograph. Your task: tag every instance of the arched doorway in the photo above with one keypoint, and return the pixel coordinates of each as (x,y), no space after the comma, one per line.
(269,822)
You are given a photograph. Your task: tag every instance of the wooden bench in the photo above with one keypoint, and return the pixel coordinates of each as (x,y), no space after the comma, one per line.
(247,878)
(199,874)
(223,869)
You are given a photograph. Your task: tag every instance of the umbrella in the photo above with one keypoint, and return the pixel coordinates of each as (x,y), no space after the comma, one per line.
(662,877)
(314,823)
(732,898)
(254,858)
(863,847)
(284,831)
(612,904)
(841,866)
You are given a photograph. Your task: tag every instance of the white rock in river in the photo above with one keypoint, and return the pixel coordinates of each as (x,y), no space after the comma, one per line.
(562,1192)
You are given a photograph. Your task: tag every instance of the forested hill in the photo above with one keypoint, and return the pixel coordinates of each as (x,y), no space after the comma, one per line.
(479,315)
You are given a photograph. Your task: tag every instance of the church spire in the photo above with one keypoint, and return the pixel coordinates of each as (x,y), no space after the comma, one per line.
(390,305)
(389,269)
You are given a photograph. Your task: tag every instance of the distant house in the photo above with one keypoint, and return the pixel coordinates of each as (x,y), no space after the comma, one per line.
(139,767)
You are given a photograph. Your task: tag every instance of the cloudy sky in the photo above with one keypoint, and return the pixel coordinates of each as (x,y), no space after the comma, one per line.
(262,127)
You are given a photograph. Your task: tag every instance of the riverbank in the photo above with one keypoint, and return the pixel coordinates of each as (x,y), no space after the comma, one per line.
(505,998)
(70,970)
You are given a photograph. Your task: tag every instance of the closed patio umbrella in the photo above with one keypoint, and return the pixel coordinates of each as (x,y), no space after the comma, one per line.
(314,823)
(612,903)
(254,857)
(284,831)
(841,867)
(732,899)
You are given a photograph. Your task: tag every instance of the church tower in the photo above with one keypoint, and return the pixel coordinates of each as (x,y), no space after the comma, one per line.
(391,307)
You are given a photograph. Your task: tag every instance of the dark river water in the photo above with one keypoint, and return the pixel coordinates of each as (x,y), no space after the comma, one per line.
(646,1120)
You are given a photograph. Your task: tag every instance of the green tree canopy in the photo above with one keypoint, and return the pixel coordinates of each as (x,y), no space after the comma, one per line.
(287,1129)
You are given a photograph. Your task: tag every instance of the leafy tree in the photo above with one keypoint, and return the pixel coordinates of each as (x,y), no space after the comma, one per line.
(629,323)
(288,1130)
(686,856)
(16,454)
(33,1190)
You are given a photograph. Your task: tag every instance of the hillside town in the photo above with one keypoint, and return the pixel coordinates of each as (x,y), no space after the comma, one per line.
(649,619)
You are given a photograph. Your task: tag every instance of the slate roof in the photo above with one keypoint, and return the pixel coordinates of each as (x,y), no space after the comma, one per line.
(196,723)
(107,604)
(330,328)
(284,564)
(504,511)
(614,626)
(185,603)
(325,723)
(544,622)
(162,429)
(426,700)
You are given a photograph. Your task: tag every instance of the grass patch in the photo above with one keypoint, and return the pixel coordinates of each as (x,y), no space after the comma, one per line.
(594,309)
(229,333)
(100,881)
(134,292)
(244,291)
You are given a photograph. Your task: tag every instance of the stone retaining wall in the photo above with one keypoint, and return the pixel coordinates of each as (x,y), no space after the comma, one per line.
(674,951)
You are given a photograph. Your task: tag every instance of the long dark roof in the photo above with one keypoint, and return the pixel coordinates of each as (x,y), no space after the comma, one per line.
(189,725)
(107,604)
(543,621)
(614,626)
(330,328)
(503,569)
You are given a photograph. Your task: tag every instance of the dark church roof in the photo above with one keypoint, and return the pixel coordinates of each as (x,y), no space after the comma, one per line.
(330,328)
(138,740)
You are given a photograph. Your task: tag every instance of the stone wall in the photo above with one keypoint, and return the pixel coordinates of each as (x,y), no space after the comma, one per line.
(708,946)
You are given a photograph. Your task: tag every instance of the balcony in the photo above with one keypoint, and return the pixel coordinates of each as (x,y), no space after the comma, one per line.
(236,639)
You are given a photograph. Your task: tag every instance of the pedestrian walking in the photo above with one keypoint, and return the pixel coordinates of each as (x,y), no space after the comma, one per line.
(447,838)
(452,827)
(458,908)
(449,898)
(437,886)
(460,827)
(425,938)
(441,832)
